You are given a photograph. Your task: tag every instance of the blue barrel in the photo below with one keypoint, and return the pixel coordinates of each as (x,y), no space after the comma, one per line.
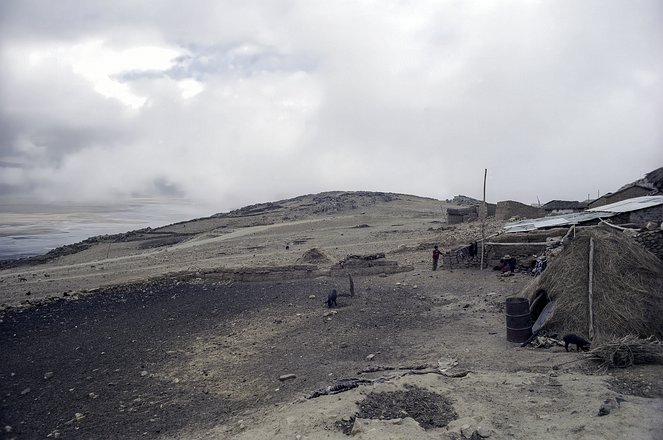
(518,322)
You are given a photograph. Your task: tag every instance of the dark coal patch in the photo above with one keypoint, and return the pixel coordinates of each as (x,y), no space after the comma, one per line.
(430,410)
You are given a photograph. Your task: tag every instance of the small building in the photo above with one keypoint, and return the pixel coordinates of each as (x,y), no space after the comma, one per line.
(627,192)
(463,214)
(564,206)
(638,210)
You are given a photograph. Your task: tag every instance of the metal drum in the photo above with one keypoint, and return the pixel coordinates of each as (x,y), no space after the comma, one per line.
(518,322)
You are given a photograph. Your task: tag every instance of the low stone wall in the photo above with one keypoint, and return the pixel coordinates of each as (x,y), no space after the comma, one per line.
(652,241)
(521,246)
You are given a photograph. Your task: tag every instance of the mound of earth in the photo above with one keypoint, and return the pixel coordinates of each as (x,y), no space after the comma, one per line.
(315,256)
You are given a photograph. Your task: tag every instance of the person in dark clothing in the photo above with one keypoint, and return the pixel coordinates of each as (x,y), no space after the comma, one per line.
(436,257)
(473,249)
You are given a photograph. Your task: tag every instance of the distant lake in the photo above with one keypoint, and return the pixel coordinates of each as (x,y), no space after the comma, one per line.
(28,229)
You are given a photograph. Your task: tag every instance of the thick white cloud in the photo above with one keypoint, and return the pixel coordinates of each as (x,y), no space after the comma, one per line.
(233,103)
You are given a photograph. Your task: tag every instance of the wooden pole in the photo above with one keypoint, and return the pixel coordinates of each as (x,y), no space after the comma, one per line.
(484,213)
(591,290)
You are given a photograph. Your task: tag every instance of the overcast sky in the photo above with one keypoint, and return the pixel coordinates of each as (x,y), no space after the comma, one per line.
(235,102)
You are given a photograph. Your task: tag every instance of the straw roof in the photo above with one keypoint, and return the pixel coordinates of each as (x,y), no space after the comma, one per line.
(627,288)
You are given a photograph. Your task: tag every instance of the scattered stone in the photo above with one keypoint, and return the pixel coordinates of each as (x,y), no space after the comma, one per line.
(285,377)
(610,404)
(93,395)
(467,430)
(358,427)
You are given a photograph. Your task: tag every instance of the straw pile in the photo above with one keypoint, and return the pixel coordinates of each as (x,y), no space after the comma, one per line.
(627,288)
(628,351)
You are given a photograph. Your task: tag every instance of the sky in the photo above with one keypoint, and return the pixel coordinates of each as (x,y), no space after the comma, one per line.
(226,103)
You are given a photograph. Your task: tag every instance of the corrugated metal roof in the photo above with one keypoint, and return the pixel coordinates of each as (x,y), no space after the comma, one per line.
(606,211)
(556,220)
(630,205)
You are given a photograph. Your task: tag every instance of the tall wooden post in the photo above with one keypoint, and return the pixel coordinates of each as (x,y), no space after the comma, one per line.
(484,214)
(591,288)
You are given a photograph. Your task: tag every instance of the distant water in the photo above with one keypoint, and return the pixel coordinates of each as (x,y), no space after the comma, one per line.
(28,229)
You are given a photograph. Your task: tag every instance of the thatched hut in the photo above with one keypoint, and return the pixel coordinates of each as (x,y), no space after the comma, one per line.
(626,289)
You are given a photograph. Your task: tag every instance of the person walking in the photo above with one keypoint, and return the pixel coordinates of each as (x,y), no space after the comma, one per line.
(436,257)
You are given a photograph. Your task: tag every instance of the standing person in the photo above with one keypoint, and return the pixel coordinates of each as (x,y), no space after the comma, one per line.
(436,257)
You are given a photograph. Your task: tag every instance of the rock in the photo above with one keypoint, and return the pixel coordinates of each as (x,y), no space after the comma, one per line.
(285,377)
(48,375)
(25,391)
(467,430)
(143,373)
(463,425)
(370,357)
(311,297)
(330,313)
(484,432)
(93,395)
(610,404)
(358,427)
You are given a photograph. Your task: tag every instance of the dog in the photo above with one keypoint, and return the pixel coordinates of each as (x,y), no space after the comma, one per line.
(579,342)
(331,298)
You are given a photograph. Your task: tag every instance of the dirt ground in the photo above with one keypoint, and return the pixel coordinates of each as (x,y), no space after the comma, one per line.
(194,339)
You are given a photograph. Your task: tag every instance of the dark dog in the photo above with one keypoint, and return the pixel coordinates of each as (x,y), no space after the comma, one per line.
(331,298)
(579,342)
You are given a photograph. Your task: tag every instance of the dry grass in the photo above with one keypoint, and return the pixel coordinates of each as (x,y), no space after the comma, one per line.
(628,287)
(627,351)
